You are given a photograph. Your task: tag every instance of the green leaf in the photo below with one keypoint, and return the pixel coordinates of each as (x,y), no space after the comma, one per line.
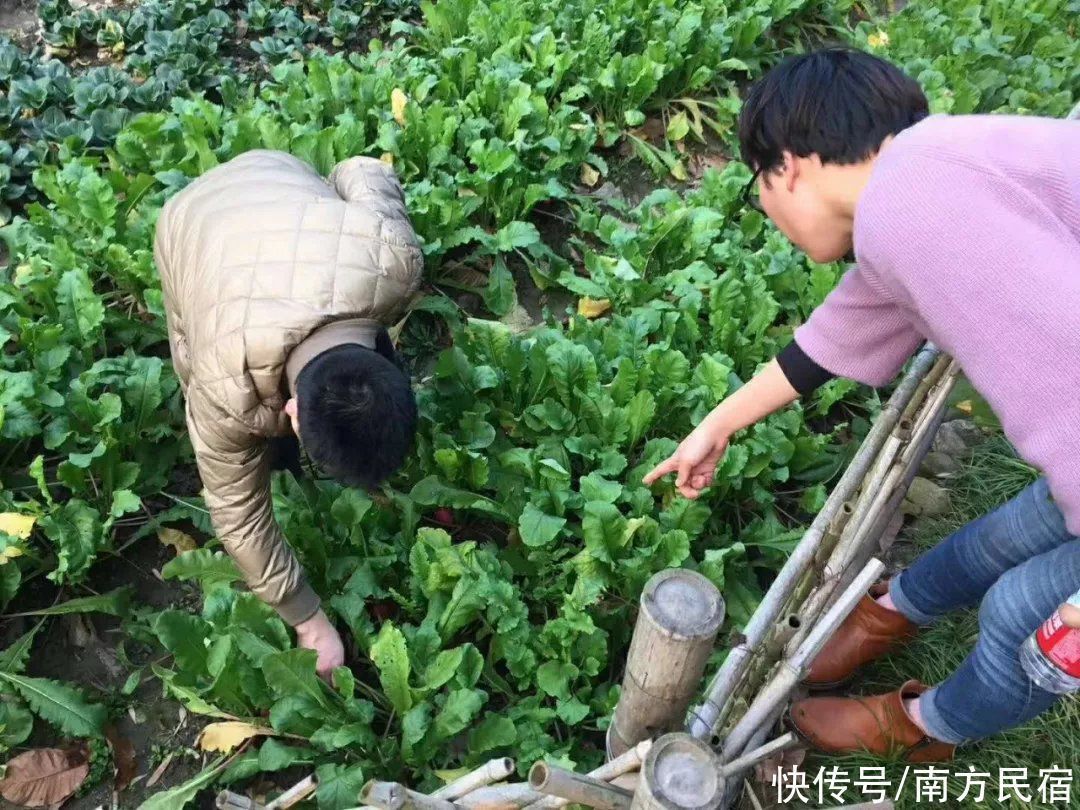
(124,502)
(640,412)
(191,699)
(80,308)
(572,711)
(339,786)
(461,706)
(10,580)
(678,127)
(537,528)
(443,668)
(516,235)
(391,658)
(185,637)
(604,530)
(114,603)
(209,568)
(75,529)
(554,678)
(275,755)
(178,797)
(500,294)
(292,673)
(15,655)
(16,723)
(59,704)
(495,731)
(594,487)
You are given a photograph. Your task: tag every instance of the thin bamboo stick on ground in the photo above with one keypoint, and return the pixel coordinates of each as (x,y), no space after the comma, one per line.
(609,771)
(577,788)
(494,770)
(514,794)
(294,795)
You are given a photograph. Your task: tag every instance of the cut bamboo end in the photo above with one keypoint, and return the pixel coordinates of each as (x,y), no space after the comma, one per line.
(680,614)
(680,773)
(227,800)
(494,770)
(577,788)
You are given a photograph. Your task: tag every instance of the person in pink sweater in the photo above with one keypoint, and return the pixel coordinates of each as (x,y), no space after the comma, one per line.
(965,232)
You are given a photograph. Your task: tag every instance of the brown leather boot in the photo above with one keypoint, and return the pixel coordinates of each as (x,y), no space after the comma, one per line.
(869,632)
(879,725)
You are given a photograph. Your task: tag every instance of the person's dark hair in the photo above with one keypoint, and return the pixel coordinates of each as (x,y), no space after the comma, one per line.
(837,103)
(357,412)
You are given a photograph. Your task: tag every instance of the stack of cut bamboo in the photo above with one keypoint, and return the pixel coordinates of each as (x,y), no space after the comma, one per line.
(609,787)
(829,570)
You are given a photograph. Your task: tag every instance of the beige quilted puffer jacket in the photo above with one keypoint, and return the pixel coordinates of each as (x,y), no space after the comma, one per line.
(258,257)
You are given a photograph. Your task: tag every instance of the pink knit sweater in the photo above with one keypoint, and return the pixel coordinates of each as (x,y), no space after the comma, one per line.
(968,234)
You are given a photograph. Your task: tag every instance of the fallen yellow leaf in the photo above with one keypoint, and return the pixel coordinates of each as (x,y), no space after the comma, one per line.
(593,307)
(9,551)
(589,175)
(398,100)
(387,158)
(965,407)
(878,40)
(17,525)
(227,735)
(180,541)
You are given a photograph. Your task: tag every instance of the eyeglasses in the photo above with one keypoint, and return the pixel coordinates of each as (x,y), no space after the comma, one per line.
(749,195)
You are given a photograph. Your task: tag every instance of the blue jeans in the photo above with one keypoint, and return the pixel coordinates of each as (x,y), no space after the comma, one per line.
(1021,561)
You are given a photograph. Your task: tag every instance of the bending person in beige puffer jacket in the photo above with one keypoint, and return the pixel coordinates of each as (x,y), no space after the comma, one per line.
(277,285)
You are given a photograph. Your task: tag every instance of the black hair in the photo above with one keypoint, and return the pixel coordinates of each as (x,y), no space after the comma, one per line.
(837,103)
(357,412)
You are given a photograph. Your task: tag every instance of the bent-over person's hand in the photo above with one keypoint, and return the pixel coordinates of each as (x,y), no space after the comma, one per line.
(318,634)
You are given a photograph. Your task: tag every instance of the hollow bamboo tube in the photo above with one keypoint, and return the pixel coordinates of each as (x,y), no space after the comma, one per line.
(494,770)
(577,788)
(609,771)
(793,669)
(227,800)
(395,796)
(680,773)
(681,612)
(707,716)
(735,779)
(294,795)
(759,753)
(500,797)
(383,795)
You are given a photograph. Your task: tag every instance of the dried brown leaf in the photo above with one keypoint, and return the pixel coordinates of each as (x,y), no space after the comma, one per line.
(44,776)
(124,763)
(180,541)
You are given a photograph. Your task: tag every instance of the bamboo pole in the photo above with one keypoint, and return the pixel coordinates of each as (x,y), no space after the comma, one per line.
(494,770)
(792,670)
(680,773)
(858,544)
(609,771)
(578,788)
(740,764)
(500,797)
(681,612)
(227,800)
(294,795)
(708,715)
(395,796)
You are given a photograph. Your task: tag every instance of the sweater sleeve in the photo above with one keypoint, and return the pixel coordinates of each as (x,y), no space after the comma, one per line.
(859,333)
